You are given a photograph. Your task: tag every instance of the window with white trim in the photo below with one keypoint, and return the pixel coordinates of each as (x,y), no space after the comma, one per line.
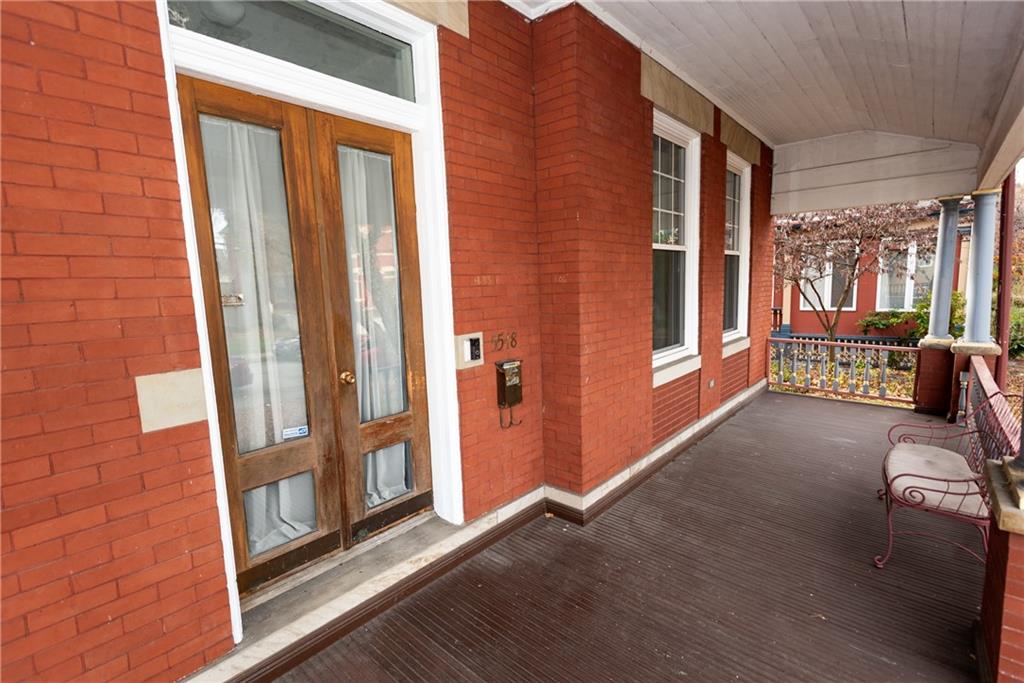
(905,279)
(737,248)
(675,235)
(305,34)
(829,286)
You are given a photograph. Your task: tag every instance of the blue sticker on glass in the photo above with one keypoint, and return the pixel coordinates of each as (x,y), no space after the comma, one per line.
(293,432)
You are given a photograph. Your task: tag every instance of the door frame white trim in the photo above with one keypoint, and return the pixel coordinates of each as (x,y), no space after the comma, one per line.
(214,60)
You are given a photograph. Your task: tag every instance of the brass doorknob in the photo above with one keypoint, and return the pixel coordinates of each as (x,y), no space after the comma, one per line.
(347,377)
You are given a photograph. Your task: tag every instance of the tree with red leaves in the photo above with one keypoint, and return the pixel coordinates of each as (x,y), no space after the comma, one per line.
(811,247)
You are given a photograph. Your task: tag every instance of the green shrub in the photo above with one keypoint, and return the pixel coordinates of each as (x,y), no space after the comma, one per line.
(884,320)
(1017,332)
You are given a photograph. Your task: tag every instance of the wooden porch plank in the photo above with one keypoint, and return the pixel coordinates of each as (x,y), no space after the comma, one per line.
(747,558)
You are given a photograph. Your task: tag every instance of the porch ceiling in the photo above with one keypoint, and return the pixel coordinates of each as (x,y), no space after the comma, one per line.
(794,72)
(800,70)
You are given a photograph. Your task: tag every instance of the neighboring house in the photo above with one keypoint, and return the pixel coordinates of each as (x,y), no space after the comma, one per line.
(872,292)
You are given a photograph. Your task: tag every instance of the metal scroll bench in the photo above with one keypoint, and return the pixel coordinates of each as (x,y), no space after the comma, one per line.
(939,468)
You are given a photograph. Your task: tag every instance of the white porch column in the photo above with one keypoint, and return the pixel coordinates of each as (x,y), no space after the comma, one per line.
(942,286)
(977,337)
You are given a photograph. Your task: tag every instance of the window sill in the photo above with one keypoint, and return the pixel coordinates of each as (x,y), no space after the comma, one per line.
(734,345)
(668,370)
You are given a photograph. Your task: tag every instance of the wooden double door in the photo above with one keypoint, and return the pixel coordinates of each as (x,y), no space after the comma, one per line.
(307,238)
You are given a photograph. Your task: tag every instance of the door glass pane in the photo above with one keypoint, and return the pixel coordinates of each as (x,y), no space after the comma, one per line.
(306,35)
(388,473)
(279,512)
(668,298)
(371,245)
(251,235)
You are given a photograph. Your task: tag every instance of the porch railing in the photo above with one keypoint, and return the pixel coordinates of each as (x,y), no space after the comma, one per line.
(776,319)
(1003,425)
(846,370)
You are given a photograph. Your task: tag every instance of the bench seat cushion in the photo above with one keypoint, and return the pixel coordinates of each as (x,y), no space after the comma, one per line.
(954,497)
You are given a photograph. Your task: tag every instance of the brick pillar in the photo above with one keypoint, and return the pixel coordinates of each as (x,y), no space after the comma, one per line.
(1001,627)
(762,256)
(712,267)
(593,134)
(932,385)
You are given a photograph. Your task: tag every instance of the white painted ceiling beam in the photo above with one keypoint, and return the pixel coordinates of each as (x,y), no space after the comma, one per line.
(1005,143)
(869,167)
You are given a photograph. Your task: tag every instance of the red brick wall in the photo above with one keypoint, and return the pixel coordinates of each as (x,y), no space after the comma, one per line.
(734,374)
(486,95)
(112,561)
(675,406)
(1002,607)
(593,172)
(712,267)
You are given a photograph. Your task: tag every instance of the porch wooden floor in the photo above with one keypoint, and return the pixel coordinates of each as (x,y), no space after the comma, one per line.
(747,558)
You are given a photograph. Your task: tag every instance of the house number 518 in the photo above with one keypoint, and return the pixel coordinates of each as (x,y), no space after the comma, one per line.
(504,339)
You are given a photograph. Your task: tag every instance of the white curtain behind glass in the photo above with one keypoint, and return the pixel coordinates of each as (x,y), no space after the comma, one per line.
(371,245)
(279,512)
(249,214)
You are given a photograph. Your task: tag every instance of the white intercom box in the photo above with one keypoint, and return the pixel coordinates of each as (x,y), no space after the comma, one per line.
(469,350)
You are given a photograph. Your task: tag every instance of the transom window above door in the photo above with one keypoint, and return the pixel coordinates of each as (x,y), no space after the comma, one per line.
(306,35)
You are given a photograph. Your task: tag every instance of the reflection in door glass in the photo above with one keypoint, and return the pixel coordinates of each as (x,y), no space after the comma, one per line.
(367,197)
(249,215)
(388,473)
(279,512)
(371,245)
